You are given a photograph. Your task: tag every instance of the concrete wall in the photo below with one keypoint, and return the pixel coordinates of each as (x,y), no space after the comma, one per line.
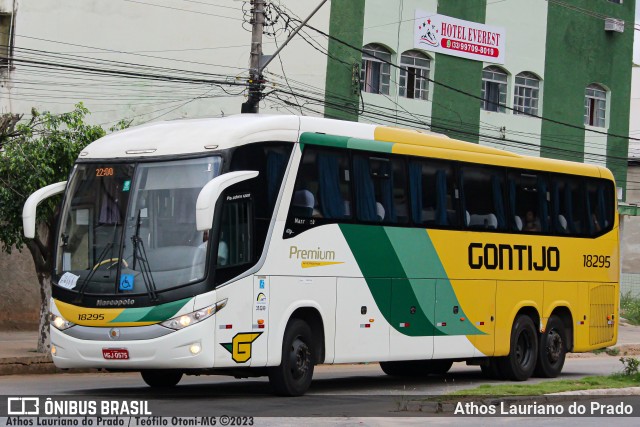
(19,292)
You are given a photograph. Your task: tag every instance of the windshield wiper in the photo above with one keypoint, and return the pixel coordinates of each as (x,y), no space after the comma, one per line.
(87,279)
(139,253)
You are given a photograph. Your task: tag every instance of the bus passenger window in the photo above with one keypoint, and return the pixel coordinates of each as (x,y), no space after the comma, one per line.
(528,202)
(380,189)
(482,194)
(322,186)
(598,206)
(567,206)
(432,188)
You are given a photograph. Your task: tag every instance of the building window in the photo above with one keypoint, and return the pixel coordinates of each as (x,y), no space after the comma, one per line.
(526,94)
(5,41)
(375,74)
(414,75)
(494,89)
(595,106)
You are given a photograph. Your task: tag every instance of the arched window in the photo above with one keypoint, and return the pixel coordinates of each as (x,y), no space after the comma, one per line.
(414,75)
(375,74)
(526,93)
(595,105)
(494,89)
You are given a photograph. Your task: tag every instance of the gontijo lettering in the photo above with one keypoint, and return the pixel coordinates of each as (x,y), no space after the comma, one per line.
(513,257)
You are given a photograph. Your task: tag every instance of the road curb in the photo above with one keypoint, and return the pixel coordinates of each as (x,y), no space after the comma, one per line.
(41,364)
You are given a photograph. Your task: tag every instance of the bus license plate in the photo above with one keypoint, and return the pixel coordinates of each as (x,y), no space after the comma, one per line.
(115,353)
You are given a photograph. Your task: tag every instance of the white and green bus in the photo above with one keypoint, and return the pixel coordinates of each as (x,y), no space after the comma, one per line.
(263,245)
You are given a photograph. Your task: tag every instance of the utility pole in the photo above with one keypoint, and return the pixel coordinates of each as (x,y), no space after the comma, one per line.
(256,67)
(255,73)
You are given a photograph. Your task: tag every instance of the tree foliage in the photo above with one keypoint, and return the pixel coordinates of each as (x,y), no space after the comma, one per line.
(34,154)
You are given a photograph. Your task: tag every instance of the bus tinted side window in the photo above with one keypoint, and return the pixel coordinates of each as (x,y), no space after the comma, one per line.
(322,186)
(599,206)
(379,184)
(529,202)
(482,196)
(432,188)
(567,206)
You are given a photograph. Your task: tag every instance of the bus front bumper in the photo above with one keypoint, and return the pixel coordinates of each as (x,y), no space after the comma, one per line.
(175,350)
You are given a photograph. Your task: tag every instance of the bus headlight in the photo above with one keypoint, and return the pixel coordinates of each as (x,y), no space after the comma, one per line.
(60,322)
(185,320)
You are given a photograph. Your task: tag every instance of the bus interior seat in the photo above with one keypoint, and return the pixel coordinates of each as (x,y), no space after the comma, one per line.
(303,203)
(428,215)
(488,221)
(380,211)
(518,221)
(563,222)
(347,208)
(467,218)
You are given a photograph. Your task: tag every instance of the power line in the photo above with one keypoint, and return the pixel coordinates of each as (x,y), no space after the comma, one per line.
(462,92)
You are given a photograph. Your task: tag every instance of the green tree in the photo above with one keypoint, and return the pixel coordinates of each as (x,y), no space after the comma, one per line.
(34,154)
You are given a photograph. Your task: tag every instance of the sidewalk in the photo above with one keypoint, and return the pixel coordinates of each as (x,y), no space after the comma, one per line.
(18,351)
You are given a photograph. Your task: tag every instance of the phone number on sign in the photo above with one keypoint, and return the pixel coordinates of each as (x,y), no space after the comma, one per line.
(470,47)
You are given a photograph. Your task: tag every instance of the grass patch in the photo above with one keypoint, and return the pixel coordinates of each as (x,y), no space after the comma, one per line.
(611,351)
(630,308)
(611,381)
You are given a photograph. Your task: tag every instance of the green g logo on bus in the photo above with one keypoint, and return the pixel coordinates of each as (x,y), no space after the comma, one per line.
(240,346)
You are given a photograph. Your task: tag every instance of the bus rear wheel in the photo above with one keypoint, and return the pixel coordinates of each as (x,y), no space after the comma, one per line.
(293,376)
(161,378)
(521,361)
(553,349)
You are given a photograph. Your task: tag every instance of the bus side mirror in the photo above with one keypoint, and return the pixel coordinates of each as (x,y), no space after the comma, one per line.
(29,209)
(206,203)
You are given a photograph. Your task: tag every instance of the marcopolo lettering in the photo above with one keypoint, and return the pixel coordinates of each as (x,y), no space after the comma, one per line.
(513,257)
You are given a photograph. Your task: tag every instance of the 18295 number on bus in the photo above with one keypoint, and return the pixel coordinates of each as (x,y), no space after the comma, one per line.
(596,261)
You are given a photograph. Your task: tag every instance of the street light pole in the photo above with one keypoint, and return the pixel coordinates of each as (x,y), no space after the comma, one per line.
(255,73)
(256,68)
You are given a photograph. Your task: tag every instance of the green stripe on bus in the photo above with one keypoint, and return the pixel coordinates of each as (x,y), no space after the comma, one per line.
(324,140)
(369,145)
(345,142)
(402,265)
(158,313)
(377,258)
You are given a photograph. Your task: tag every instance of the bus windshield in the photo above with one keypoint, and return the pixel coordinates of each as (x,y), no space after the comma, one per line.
(131,228)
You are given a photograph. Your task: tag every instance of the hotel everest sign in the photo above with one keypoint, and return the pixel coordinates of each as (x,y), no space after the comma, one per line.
(466,39)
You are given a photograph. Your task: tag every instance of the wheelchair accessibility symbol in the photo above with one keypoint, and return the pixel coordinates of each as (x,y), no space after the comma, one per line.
(126,282)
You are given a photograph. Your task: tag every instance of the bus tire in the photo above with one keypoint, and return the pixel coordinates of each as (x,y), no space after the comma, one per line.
(523,354)
(294,374)
(491,369)
(553,349)
(416,368)
(161,378)
(399,369)
(437,367)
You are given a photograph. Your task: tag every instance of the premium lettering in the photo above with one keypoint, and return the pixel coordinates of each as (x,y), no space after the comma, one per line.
(513,257)
(313,254)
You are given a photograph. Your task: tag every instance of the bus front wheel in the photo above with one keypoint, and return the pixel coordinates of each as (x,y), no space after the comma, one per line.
(161,378)
(293,376)
(523,354)
(553,349)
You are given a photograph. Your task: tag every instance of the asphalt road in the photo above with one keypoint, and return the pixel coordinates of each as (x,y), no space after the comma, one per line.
(337,391)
